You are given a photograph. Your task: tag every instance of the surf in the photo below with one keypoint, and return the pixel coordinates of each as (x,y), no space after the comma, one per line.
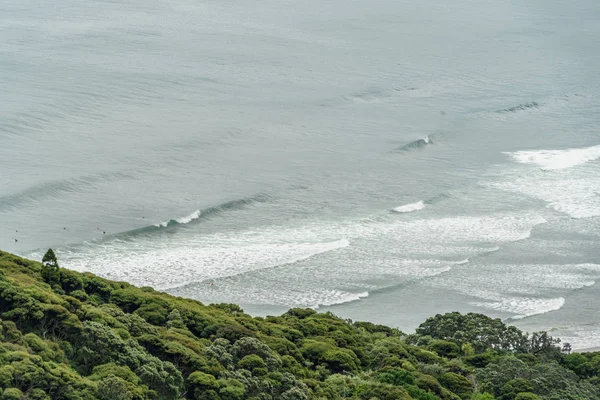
(407,208)
(556,159)
(200,214)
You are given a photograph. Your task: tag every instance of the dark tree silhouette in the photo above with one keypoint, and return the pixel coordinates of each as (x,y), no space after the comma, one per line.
(50,269)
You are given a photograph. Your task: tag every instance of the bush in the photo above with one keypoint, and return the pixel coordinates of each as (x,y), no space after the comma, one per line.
(396,377)
(527,396)
(12,394)
(457,384)
(251,361)
(300,313)
(515,386)
(444,348)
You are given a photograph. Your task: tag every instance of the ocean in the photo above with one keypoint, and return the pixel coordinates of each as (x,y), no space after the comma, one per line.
(385,161)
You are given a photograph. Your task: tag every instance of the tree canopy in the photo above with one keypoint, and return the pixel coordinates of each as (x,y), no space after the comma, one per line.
(73,336)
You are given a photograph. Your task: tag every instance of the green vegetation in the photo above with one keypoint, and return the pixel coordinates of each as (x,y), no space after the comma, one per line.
(67,335)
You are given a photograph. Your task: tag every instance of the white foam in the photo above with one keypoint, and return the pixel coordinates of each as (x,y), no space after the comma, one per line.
(494,282)
(572,192)
(462,262)
(189,218)
(557,159)
(585,337)
(410,207)
(183,220)
(524,306)
(343,298)
(165,265)
(383,253)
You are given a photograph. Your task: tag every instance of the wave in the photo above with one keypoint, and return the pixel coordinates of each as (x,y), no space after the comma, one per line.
(342,298)
(524,307)
(419,205)
(438,198)
(406,281)
(183,220)
(56,188)
(520,107)
(417,144)
(203,213)
(410,207)
(215,263)
(557,159)
(370,95)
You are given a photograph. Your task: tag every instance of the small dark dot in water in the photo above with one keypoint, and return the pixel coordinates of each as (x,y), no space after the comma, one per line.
(65,227)
(16,240)
(442,112)
(104,232)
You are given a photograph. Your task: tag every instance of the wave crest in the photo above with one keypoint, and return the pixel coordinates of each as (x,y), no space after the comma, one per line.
(183,220)
(417,144)
(410,207)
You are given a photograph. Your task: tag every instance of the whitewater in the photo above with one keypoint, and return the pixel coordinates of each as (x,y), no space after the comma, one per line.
(385,162)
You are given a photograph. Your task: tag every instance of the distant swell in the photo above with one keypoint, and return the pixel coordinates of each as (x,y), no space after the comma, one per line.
(410,207)
(557,159)
(417,144)
(520,107)
(54,189)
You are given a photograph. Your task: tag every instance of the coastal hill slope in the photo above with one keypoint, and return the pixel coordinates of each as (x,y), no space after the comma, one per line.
(68,335)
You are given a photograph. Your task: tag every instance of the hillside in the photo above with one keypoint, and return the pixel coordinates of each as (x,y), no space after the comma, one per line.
(68,335)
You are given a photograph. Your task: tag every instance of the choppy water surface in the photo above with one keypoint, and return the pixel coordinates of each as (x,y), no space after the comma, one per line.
(386,161)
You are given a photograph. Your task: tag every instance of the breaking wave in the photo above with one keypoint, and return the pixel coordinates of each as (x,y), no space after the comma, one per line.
(557,159)
(419,205)
(410,207)
(417,144)
(207,212)
(342,298)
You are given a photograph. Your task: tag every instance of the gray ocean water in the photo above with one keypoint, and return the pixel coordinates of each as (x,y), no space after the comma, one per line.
(384,160)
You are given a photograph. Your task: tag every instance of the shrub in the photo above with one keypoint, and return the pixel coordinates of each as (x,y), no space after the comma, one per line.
(444,348)
(457,384)
(12,394)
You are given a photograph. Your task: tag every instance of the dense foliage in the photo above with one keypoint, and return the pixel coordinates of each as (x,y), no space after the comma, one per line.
(68,335)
